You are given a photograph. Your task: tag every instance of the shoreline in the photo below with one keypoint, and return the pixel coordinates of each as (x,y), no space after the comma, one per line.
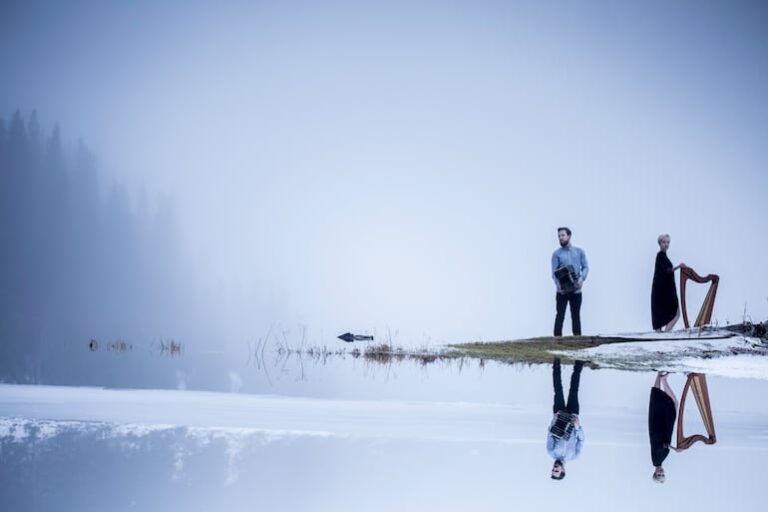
(720,351)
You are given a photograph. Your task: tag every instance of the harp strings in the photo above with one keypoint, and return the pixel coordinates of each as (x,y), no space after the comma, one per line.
(705,313)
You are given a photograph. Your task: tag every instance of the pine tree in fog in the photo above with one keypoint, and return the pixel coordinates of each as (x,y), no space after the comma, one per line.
(76,263)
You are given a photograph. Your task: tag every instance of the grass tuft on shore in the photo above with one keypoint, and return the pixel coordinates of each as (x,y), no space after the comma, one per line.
(531,350)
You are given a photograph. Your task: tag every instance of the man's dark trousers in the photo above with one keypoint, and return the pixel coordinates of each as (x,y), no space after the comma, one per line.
(563,299)
(573,393)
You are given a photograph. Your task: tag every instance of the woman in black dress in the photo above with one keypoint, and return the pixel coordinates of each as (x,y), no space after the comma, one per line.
(662,412)
(664,307)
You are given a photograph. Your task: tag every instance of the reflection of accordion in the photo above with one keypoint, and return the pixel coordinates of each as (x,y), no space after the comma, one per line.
(566,276)
(563,426)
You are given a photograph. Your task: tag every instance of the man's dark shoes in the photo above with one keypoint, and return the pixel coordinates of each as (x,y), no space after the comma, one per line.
(578,365)
(556,362)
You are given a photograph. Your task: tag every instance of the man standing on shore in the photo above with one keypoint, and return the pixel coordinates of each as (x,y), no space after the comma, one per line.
(569,270)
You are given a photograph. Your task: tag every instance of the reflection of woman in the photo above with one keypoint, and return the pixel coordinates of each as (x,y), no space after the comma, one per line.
(662,412)
(664,309)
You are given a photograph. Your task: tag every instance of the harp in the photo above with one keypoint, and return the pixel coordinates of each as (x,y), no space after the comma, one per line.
(705,313)
(698,383)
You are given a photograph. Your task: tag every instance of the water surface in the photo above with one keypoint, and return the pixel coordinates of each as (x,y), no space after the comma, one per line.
(348,434)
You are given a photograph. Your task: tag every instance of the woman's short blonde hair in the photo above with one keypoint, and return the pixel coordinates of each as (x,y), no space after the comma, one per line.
(662,237)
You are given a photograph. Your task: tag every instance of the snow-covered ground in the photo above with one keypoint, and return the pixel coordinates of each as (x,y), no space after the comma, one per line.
(715,352)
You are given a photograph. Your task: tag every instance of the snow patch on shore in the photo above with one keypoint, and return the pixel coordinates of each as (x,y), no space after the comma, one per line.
(731,356)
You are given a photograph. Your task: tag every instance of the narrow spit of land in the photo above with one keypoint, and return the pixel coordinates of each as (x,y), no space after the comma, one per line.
(733,350)
(642,351)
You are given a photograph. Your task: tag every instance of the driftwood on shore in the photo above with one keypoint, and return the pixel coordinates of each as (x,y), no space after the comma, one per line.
(754,330)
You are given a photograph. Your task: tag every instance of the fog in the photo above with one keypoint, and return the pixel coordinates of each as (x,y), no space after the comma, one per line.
(397,165)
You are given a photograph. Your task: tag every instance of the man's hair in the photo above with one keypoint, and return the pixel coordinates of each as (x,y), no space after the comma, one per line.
(661,237)
(562,470)
(563,228)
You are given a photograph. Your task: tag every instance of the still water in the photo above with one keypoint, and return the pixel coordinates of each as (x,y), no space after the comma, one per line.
(344,433)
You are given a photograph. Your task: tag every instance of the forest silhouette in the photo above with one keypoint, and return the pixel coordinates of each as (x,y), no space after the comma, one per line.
(78,260)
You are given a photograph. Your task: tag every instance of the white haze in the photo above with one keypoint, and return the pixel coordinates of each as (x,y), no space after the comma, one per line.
(357,166)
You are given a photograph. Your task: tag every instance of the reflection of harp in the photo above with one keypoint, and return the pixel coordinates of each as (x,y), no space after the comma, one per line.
(698,383)
(705,314)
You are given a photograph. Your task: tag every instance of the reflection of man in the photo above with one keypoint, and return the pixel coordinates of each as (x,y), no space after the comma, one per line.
(569,270)
(565,436)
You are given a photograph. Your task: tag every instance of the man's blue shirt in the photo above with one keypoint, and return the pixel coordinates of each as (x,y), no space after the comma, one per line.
(565,449)
(573,256)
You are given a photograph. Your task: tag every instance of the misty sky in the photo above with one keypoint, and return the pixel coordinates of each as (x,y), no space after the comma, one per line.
(353,165)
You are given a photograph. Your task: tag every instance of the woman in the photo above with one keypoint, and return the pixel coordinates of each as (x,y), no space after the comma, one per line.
(662,412)
(664,308)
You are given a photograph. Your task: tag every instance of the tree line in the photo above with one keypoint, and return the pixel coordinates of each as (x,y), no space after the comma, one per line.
(77,259)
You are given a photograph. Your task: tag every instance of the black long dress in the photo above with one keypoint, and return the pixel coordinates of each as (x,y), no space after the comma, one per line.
(664,292)
(661,422)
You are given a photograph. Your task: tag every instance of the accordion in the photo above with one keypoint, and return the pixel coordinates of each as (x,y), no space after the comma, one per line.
(563,426)
(566,276)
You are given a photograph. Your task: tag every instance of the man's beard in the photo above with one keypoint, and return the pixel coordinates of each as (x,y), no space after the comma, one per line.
(563,243)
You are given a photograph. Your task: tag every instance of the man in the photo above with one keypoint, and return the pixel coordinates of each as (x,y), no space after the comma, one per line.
(565,436)
(569,271)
